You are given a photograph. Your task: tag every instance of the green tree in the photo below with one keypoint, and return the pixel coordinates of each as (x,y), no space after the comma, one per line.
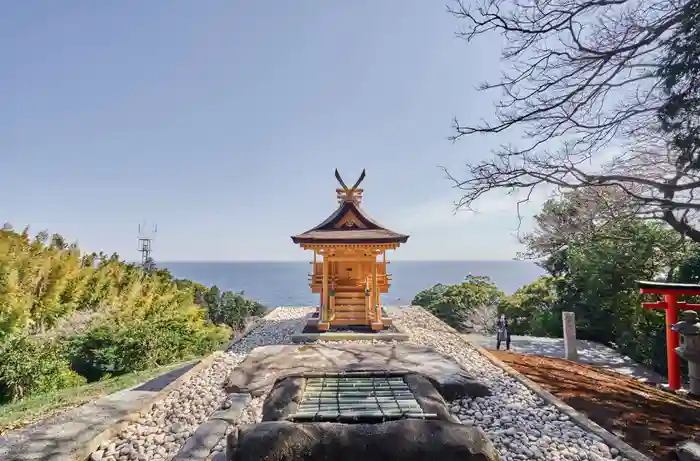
(460,305)
(593,273)
(62,311)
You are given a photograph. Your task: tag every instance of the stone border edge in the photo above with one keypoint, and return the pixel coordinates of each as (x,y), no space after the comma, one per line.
(83,453)
(625,450)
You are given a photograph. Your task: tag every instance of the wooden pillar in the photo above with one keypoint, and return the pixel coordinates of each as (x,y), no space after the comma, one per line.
(376,316)
(323,321)
(673,340)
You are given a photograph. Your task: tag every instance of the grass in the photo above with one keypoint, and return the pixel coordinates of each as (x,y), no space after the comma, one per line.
(35,408)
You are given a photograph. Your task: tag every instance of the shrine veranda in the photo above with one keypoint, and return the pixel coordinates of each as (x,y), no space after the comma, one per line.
(520,424)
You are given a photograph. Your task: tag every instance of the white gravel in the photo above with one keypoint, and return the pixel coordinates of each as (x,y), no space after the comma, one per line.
(159,433)
(520,424)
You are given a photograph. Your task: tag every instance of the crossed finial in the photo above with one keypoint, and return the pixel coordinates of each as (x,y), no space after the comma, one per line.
(349,194)
(342,183)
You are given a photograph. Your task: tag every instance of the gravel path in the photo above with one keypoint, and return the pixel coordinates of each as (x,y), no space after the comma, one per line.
(520,424)
(159,434)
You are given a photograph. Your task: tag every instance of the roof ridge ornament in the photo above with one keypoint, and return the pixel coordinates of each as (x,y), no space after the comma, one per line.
(349,194)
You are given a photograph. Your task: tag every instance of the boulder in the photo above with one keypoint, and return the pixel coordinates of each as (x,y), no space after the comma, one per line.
(283,399)
(404,440)
(265,365)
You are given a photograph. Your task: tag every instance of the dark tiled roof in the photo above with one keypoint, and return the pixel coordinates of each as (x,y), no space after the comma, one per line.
(327,233)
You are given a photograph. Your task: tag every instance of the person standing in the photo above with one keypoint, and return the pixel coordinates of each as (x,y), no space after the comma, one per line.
(502,333)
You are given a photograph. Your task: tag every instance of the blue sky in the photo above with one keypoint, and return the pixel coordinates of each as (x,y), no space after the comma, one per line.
(222,121)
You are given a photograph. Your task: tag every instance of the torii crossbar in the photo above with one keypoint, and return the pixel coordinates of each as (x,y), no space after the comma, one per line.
(671,292)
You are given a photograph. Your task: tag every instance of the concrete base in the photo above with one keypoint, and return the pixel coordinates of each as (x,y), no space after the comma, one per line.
(385,322)
(314,330)
(347,335)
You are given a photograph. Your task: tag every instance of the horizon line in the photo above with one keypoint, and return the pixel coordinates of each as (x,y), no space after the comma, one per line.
(308,261)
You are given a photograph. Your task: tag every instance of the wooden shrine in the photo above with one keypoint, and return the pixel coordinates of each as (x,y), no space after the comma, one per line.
(349,267)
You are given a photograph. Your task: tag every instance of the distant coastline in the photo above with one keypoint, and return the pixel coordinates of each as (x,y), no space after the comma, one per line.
(285,283)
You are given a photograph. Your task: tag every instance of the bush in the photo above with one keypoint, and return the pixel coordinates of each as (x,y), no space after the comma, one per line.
(140,345)
(30,366)
(229,308)
(471,303)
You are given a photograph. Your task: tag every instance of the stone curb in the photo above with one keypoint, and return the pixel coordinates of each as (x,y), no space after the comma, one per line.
(83,453)
(625,450)
(199,445)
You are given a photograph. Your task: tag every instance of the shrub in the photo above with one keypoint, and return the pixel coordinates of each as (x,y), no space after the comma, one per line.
(30,366)
(473,301)
(140,345)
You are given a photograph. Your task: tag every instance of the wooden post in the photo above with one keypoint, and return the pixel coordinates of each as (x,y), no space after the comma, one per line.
(569,321)
(323,321)
(376,316)
(375,297)
(673,340)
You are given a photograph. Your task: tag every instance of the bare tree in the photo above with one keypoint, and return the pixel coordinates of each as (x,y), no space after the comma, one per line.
(589,78)
(580,214)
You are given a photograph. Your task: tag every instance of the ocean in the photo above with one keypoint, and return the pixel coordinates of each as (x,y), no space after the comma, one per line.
(285,283)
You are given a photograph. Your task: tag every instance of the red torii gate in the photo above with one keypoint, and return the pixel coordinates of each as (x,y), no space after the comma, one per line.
(671,305)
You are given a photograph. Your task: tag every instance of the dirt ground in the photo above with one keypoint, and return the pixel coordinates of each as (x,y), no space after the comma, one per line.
(651,420)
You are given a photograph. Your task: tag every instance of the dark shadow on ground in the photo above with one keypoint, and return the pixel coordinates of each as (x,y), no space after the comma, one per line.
(159,383)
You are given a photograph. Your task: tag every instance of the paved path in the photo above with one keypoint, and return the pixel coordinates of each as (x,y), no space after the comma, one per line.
(588,351)
(56,438)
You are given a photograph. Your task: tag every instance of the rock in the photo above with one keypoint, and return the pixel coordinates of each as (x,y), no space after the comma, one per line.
(97,455)
(177,428)
(688,451)
(264,365)
(405,440)
(283,399)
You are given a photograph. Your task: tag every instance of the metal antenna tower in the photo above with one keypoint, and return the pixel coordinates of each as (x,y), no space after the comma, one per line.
(146,246)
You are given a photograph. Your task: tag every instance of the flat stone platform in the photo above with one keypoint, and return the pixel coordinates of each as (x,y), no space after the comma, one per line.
(263,366)
(308,332)
(348,335)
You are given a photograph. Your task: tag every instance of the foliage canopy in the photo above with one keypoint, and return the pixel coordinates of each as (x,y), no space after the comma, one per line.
(68,317)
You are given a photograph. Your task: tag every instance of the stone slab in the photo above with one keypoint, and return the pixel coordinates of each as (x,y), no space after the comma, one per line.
(208,434)
(265,365)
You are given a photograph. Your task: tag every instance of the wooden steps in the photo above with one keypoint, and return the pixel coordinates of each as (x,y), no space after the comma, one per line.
(350,306)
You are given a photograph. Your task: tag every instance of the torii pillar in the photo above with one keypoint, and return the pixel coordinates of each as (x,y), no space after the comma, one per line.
(671,292)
